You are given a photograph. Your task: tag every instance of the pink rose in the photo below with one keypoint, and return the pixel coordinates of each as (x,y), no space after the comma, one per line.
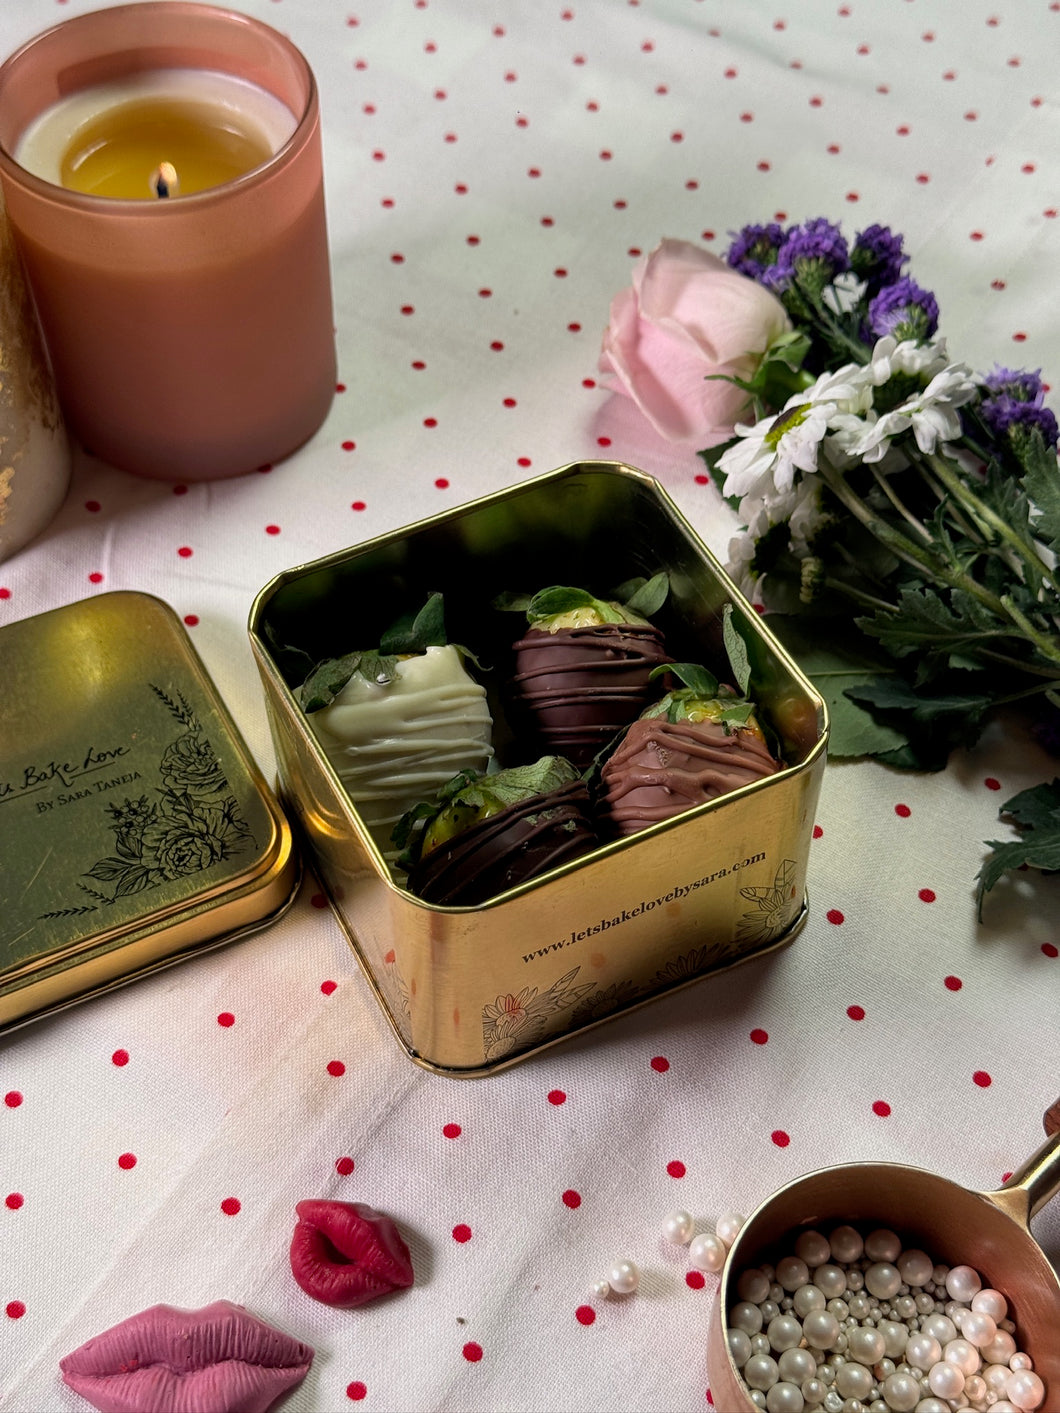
(687,316)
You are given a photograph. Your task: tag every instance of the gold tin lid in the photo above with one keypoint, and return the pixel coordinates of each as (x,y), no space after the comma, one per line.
(135,828)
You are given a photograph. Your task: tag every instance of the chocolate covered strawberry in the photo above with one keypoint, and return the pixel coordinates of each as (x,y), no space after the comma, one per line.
(485,834)
(397,722)
(700,741)
(583,668)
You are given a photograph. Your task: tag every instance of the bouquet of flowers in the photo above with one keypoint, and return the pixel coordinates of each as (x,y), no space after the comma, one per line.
(899,514)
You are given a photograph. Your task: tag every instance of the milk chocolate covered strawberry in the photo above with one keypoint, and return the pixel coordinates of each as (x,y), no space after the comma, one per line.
(583,668)
(486,834)
(700,741)
(398,721)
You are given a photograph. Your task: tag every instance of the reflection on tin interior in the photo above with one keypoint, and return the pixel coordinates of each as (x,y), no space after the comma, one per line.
(611,736)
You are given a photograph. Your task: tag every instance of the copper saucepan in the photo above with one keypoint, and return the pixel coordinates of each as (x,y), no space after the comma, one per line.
(987,1230)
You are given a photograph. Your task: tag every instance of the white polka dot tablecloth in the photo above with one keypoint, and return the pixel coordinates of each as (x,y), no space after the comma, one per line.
(493,169)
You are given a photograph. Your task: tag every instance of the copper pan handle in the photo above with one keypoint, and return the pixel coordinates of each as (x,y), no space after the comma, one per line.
(1037,1180)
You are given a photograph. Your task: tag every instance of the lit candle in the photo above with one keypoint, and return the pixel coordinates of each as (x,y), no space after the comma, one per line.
(218,114)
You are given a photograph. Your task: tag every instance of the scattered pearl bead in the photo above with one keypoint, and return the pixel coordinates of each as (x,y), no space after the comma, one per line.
(963,1282)
(796,1366)
(832,1280)
(623,1278)
(846,1244)
(990,1302)
(678,1227)
(883,1245)
(601,1289)
(853,1380)
(882,1279)
(813,1247)
(964,1355)
(978,1328)
(922,1351)
(808,1298)
(1021,1361)
(760,1344)
(785,1397)
(821,1329)
(784,1332)
(814,1391)
(946,1380)
(792,1272)
(866,1345)
(761,1371)
(1025,1389)
(728,1226)
(916,1266)
(707,1252)
(901,1392)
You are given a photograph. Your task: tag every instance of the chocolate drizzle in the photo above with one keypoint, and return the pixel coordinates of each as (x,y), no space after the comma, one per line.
(663,768)
(519,843)
(577,688)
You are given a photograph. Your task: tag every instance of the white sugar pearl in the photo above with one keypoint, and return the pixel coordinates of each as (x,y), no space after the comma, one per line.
(745,1316)
(785,1397)
(942,1328)
(833,1402)
(883,1280)
(792,1272)
(1003,1406)
(813,1248)
(975,1389)
(932,1405)
(1021,1361)
(623,1277)
(752,1285)
(901,1392)
(784,1332)
(760,1371)
(866,1345)
(797,1365)
(1025,1389)
(962,1354)
(990,1302)
(707,1252)
(995,1376)
(679,1227)
(922,1351)
(846,1244)
(978,1328)
(963,1282)
(807,1298)
(601,1289)
(946,1380)
(853,1380)
(883,1245)
(1000,1349)
(895,1336)
(916,1266)
(760,1344)
(821,1329)
(832,1280)
(739,1347)
(728,1226)
(814,1391)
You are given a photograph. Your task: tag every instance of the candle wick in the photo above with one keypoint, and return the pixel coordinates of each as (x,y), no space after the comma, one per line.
(164,180)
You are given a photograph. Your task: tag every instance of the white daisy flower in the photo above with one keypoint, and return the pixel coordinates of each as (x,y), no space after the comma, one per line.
(931,413)
(889,356)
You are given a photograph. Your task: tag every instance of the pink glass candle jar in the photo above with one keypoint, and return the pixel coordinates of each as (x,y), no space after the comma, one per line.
(192,337)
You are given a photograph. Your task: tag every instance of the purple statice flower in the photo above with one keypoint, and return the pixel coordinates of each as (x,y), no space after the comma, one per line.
(754,249)
(1007,416)
(877,257)
(1015,383)
(904,310)
(812,254)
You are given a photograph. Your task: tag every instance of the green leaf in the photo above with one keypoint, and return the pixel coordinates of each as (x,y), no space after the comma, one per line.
(416,633)
(894,694)
(923,621)
(327,680)
(1037,808)
(703,683)
(736,649)
(1040,849)
(1042,484)
(561,598)
(649,598)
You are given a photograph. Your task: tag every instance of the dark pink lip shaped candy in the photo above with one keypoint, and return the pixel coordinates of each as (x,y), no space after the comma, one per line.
(346,1253)
(220,1359)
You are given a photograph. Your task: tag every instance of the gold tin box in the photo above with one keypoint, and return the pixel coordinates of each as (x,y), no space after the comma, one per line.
(469,990)
(135,828)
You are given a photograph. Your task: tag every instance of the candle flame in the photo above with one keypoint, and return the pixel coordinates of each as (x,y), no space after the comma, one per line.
(164,181)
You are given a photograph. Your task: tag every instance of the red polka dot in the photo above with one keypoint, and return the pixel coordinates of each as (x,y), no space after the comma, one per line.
(572,1199)
(358,505)
(603,441)
(15,1309)
(759,1036)
(585,1314)
(991,783)
(881,1108)
(14,1200)
(12,1099)
(926,895)
(556,1096)
(93,506)
(442,483)
(818,832)
(272,529)
(856,1013)
(349,446)
(191,620)
(336,1068)
(328,987)
(472,1352)
(695,1280)
(180,490)
(185,552)
(127,1161)
(1050,949)
(461,1232)
(780,1138)
(982,1079)
(676,1168)
(119,1058)
(702,479)
(5,593)
(344,1166)
(953,983)
(97,578)
(902,811)
(835,916)
(226,1019)
(356,1391)
(660,1064)
(231,1206)
(452,1131)
(432,422)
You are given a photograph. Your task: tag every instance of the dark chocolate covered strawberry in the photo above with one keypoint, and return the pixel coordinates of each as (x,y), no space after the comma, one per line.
(583,668)
(485,834)
(700,741)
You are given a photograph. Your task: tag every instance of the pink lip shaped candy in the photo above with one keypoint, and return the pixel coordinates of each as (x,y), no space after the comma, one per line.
(346,1253)
(220,1359)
